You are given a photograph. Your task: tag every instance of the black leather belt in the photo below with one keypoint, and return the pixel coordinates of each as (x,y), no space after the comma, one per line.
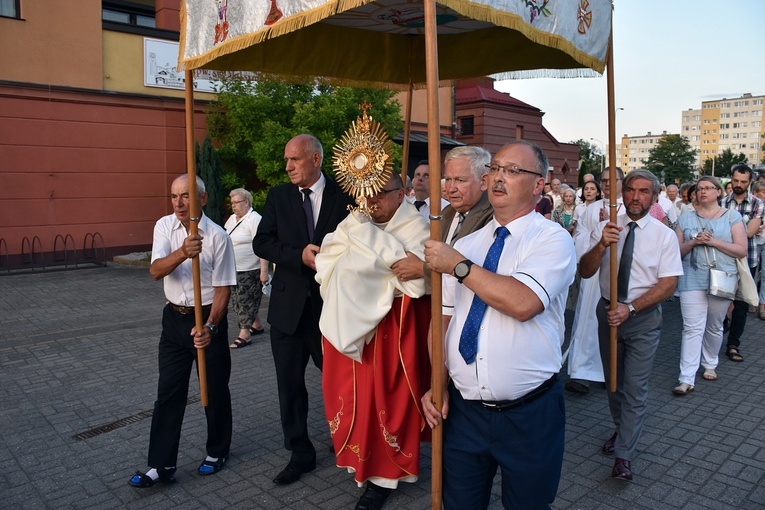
(504,405)
(186,310)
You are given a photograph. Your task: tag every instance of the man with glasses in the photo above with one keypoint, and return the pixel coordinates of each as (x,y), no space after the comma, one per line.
(503,323)
(375,328)
(584,364)
(751,209)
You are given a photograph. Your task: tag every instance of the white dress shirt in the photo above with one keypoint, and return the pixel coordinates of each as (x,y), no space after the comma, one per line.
(513,357)
(217,264)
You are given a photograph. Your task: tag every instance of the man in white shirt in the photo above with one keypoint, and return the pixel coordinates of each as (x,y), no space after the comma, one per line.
(649,265)
(171,255)
(504,324)
(421,183)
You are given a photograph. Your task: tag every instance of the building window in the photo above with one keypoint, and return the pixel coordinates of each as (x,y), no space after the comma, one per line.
(519,132)
(466,125)
(128,13)
(10,9)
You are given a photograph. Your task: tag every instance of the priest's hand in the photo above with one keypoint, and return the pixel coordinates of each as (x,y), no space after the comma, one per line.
(408,268)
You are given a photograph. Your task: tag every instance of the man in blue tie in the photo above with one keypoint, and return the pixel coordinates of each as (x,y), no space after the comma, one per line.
(504,295)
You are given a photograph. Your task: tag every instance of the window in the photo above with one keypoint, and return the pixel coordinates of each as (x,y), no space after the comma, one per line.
(724,126)
(519,132)
(10,9)
(757,102)
(128,14)
(466,125)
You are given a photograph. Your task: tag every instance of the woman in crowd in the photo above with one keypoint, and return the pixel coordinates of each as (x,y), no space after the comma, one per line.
(710,236)
(544,206)
(590,193)
(251,271)
(564,213)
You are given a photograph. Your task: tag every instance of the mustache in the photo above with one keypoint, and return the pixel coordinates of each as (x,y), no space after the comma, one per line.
(498,187)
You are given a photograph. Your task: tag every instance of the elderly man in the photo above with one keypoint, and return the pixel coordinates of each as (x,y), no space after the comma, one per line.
(752,210)
(469,209)
(649,265)
(296,218)
(555,193)
(375,328)
(171,255)
(504,323)
(421,183)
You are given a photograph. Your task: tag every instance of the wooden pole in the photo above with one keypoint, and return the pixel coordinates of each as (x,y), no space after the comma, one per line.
(612,202)
(407,133)
(194,229)
(434,167)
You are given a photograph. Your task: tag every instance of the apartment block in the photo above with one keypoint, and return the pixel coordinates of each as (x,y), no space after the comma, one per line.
(634,150)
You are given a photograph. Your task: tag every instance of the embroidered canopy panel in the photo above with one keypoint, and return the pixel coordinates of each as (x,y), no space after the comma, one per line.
(382,43)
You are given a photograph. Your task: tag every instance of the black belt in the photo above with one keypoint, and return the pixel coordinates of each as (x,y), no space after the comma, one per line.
(186,310)
(504,405)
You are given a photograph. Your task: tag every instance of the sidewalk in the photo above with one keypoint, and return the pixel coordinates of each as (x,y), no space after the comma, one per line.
(78,381)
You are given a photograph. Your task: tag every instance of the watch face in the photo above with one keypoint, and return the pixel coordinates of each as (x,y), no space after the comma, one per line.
(461,270)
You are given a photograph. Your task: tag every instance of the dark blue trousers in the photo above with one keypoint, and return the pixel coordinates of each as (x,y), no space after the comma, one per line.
(525,442)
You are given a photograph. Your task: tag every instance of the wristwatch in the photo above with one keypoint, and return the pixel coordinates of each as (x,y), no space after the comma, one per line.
(213,328)
(633,312)
(462,270)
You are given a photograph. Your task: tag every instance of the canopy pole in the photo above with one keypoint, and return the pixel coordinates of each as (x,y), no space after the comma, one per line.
(612,202)
(194,229)
(434,167)
(407,132)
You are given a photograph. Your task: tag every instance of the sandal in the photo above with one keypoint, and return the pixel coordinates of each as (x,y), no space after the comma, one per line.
(734,355)
(254,331)
(143,481)
(210,467)
(683,389)
(762,313)
(709,374)
(239,343)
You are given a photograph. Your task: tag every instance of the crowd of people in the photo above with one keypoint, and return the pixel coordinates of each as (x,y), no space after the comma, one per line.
(351,293)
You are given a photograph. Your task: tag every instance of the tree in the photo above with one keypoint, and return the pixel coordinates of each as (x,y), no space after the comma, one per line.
(762,159)
(672,160)
(591,160)
(252,122)
(209,169)
(722,163)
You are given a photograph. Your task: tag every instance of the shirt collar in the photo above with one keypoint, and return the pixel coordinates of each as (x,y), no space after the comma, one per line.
(318,187)
(202,223)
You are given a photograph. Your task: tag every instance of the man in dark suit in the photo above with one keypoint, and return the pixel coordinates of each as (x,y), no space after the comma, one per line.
(296,217)
(469,209)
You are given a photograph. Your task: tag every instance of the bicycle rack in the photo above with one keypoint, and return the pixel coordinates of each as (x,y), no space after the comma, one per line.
(7,257)
(26,244)
(91,254)
(63,256)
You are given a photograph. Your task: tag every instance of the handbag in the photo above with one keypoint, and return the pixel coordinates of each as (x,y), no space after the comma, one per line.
(722,284)
(747,289)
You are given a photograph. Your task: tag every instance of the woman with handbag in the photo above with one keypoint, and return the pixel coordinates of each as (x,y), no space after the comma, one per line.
(711,238)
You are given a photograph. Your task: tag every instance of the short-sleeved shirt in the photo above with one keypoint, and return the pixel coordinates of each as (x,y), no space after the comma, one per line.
(656,254)
(695,267)
(750,208)
(242,232)
(217,264)
(513,357)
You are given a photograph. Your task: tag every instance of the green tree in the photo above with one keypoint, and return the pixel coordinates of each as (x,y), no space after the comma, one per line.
(591,159)
(720,164)
(209,169)
(672,160)
(762,159)
(252,121)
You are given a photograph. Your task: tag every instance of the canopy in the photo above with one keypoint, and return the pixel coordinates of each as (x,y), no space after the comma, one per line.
(366,43)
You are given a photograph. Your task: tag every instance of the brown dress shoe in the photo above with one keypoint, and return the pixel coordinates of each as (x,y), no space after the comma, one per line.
(608,446)
(622,469)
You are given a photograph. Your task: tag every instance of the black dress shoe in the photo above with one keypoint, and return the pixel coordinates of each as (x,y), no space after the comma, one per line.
(293,472)
(374,497)
(608,446)
(577,386)
(622,470)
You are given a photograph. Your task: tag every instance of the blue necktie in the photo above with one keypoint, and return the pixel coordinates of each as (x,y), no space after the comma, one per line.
(469,336)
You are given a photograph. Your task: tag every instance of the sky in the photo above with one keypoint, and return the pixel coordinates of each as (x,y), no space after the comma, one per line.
(669,56)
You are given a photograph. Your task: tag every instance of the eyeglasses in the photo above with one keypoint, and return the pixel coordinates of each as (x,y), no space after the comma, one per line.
(382,193)
(706,188)
(238,202)
(511,169)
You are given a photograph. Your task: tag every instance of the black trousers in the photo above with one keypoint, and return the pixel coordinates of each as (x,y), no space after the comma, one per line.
(176,356)
(738,318)
(291,355)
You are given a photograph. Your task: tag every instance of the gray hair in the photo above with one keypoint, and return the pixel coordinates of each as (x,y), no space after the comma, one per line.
(241,192)
(642,173)
(200,183)
(313,145)
(542,163)
(477,158)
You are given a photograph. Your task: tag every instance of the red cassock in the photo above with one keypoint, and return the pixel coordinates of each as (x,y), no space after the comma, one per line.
(373,408)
